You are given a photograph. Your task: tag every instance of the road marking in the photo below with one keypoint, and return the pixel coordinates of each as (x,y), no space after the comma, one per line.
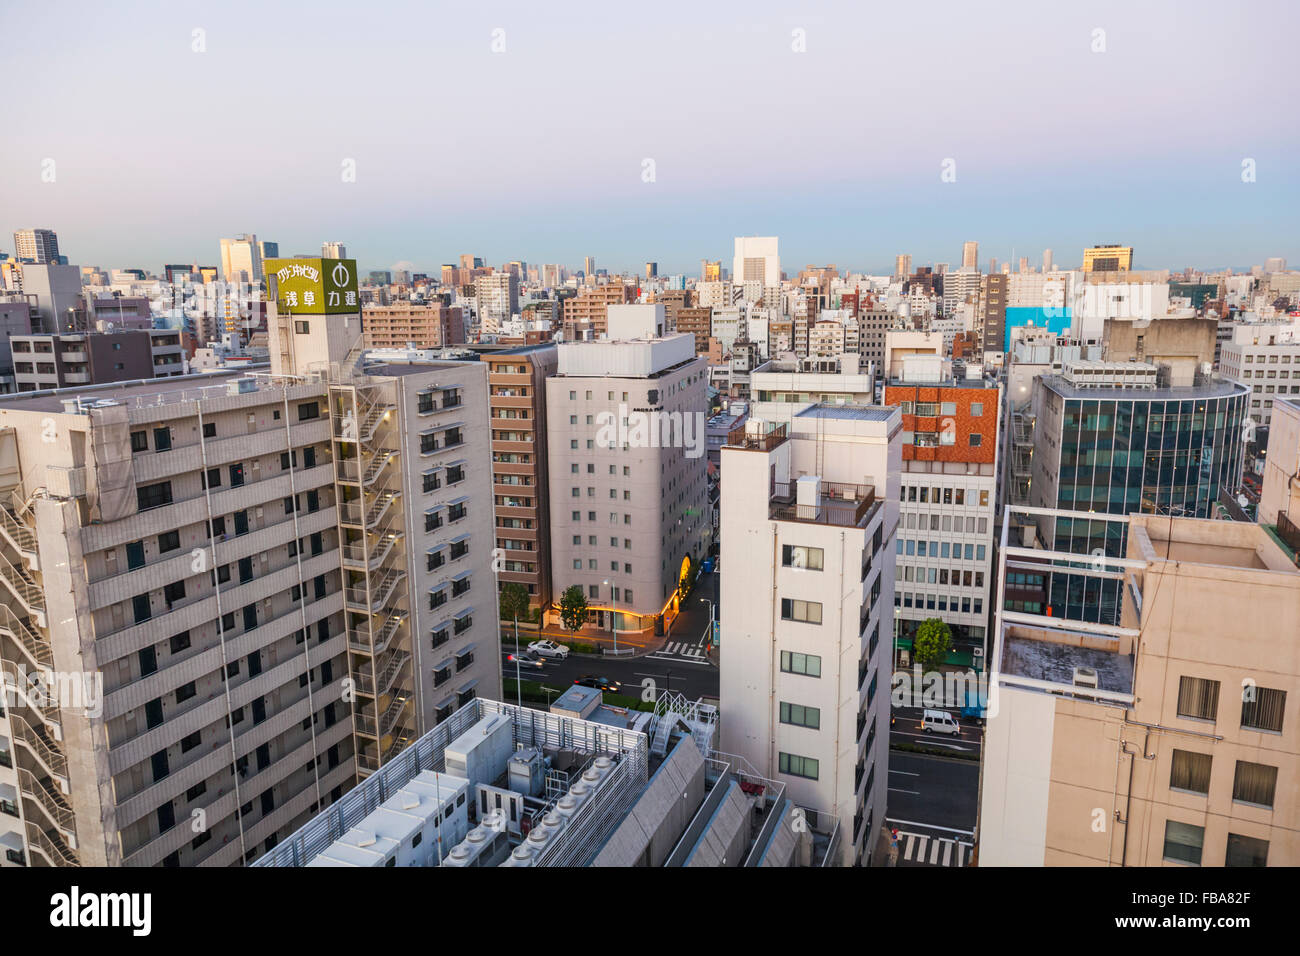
(928,826)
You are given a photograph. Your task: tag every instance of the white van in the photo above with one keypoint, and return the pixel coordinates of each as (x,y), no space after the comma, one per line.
(939,722)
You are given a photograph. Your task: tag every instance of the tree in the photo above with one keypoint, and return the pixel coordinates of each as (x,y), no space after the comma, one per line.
(514,602)
(932,644)
(573,608)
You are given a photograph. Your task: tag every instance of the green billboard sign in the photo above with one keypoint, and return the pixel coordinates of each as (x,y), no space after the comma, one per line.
(314,286)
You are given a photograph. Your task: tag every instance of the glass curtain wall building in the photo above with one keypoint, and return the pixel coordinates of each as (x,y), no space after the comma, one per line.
(1164,451)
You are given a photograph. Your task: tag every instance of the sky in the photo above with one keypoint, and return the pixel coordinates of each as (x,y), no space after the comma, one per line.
(523,130)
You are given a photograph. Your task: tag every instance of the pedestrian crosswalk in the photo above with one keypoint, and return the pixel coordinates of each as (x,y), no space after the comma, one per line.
(922,850)
(681,649)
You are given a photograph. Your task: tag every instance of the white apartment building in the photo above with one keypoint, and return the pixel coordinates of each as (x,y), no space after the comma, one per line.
(808,513)
(628,485)
(497,299)
(1266,358)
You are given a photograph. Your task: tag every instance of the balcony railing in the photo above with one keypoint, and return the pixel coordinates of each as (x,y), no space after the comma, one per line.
(845,505)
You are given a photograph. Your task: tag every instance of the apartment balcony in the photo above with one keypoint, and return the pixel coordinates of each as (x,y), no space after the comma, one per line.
(43,750)
(51,803)
(389,669)
(50,846)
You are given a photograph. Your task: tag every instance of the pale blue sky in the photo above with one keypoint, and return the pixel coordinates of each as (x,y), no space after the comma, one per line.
(536,152)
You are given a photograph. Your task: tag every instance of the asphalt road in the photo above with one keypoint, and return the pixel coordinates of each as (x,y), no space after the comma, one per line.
(907,729)
(933,791)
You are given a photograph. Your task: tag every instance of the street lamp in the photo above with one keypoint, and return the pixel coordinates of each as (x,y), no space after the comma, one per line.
(710,604)
(613,618)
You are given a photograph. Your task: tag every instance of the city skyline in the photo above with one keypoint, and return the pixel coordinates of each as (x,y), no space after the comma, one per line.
(1052,144)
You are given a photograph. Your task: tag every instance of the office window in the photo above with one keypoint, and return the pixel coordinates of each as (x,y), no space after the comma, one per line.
(800,716)
(809,665)
(975,439)
(139,441)
(1190,771)
(1264,712)
(308,411)
(1246,851)
(1198,698)
(797,766)
(1254,783)
(810,612)
(976,409)
(162,439)
(1183,842)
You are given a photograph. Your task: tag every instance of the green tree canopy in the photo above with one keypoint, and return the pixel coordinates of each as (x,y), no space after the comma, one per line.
(932,644)
(573,607)
(514,602)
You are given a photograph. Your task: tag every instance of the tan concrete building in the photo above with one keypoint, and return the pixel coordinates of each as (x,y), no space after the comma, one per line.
(520,474)
(585,314)
(1170,737)
(404,323)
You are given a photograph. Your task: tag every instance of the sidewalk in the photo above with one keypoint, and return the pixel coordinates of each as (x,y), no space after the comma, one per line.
(644,642)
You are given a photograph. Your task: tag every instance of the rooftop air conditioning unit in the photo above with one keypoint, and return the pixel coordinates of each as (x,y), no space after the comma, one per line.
(1085,677)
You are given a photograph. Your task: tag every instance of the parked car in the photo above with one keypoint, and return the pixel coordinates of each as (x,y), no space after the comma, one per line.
(549,649)
(528,659)
(600,683)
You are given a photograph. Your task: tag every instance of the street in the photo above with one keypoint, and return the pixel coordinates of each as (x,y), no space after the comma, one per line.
(679,665)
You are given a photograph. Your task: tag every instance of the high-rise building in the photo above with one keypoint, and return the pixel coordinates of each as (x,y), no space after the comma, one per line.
(970,255)
(1047,260)
(1275,264)
(757,258)
(520,474)
(240,259)
(275,534)
(902,266)
(1168,450)
(993,312)
(271,250)
(948,502)
(38,246)
(589,266)
(497,300)
(808,513)
(628,486)
(333,250)
(651,270)
(1168,738)
(1108,258)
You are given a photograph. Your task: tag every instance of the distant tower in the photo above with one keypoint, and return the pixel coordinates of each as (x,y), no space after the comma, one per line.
(1047,260)
(970,255)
